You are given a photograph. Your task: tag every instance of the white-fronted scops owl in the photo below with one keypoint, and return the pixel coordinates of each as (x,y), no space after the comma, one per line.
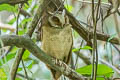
(57,39)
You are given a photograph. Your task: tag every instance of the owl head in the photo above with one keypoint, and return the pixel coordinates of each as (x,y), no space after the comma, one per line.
(58,20)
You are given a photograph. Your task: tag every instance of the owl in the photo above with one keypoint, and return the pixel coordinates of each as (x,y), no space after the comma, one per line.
(57,39)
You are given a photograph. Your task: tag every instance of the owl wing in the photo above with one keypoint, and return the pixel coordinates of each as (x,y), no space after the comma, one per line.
(68,58)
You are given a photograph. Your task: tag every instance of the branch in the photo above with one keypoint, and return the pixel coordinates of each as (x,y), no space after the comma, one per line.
(27,43)
(6,26)
(85,59)
(88,35)
(21,75)
(12,2)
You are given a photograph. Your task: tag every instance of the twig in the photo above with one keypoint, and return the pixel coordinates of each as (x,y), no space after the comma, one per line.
(25,70)
(95,53)
(89,2)
(78,54)
(116,25)
(116,48)
(25,13)
(21,75)
(15,64)
(18,15)
(5,54)
(83,57)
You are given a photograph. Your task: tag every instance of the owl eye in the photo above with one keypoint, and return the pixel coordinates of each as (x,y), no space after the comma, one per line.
(56,20)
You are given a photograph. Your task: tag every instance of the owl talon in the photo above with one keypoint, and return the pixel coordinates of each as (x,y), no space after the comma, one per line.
(56,60)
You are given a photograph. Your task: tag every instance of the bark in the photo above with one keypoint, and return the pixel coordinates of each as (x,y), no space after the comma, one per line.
(12,2)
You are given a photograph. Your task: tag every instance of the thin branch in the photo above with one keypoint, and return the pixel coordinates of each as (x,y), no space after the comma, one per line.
(116,25)
(94,51)
(85,59)
(89,2)
(6,52)
(25,13)
(18,15)
(26,74)
(27,43)
(15,64)
(21,75)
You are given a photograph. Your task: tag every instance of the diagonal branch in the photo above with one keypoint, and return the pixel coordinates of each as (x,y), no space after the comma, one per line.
(27,43)
(88,35)
(12,2)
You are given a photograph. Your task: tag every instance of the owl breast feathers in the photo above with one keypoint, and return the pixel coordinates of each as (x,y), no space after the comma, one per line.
(57,39)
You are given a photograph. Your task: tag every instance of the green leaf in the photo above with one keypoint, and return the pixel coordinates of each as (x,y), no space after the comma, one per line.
(7,7)
(26,6)
(100,78)
(75,50)
(8,57)
(2,75)
(12,21)
(19,69)
(102,70)
(30,64)
(86,70)
(14,50)
(4,30)
(87,48)
(26,55)
(111,37)
(18,79)
(69,7)
(21,32)
(26,20)
(84,48)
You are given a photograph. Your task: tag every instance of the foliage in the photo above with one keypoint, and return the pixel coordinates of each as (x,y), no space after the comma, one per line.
(102,70)
(8,7)
(83,48)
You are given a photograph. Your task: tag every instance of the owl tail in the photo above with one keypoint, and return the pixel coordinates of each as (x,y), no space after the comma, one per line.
(56,74)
